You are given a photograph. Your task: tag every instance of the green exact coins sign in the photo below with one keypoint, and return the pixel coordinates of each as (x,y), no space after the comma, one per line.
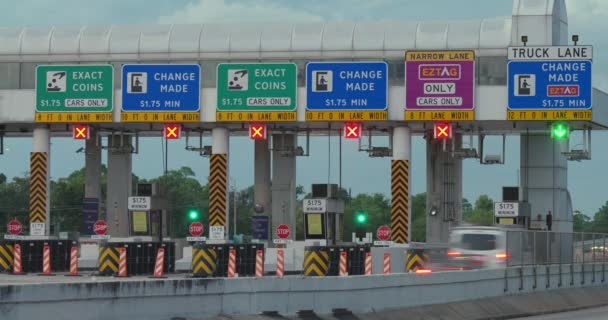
(75,88)
(256,87)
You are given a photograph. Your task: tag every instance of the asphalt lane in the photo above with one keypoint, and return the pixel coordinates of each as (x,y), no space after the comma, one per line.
(587,314)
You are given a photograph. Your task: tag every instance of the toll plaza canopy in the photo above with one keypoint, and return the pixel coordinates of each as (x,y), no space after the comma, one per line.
(543,23)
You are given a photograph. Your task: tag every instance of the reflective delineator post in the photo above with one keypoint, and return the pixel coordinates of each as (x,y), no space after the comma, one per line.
(46,261)
(280,263)
(259,264)
(343,264)
(232,263)
(387,263)
(159,267)
(368,263)
(122,264)
(73,262)
(17,266)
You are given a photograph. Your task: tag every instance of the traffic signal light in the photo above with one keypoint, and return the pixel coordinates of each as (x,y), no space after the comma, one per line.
(257,131)
(360,224)
(442,131)
(361,217)
(352,130)
(559,131)
(80,132)
(193,215)
(172,131)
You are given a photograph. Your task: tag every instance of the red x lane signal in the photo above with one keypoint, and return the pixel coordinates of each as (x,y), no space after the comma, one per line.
(442,130)
(257,131)
(172,131)
(80,132)
(352,130)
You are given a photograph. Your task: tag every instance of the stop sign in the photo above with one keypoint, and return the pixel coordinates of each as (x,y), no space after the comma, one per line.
(283,231)
(383,233)
(196,229)
(14,227)
(100,227)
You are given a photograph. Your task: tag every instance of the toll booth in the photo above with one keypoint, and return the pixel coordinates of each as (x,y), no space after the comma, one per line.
(511,212)
(323,216)
(149,212)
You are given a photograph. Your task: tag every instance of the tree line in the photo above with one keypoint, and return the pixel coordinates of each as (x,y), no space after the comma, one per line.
(185,192)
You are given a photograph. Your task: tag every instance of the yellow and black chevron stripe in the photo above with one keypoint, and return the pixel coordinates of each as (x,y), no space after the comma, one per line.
(107,261)
(38,181)
(6,256)
(415,260)
(218,168)
(204,262)
(400,193)
(316,262)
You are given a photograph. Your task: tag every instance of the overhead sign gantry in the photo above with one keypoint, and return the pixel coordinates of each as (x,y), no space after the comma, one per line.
(256,92)
(550,83)
(74,93)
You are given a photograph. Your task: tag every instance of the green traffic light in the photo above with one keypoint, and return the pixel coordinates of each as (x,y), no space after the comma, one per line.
(193,214)
(361,217)
(560,131)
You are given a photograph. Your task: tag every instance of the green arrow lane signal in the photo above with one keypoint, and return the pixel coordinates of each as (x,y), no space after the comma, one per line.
(559,131)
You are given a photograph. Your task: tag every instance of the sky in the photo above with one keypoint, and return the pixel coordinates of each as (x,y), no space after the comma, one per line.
(586,18)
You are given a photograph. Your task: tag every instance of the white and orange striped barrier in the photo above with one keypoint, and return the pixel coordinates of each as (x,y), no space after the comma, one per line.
(280,263)
(368,263)
(122,263)
(259,264)
(231,263)
(343,264)
(17,266)
(387,263)
(159,266)
(46,261)
(73,262)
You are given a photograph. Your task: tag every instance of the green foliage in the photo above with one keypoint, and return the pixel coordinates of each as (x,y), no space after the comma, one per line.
(418,228)
(582,222)
(483,212)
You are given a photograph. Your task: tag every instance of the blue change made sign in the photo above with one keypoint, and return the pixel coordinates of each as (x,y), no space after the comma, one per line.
(346,86)
(161,87)
(550,78)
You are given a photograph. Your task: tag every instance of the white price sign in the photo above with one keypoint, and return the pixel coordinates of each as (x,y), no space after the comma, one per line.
(506,209)
(37,228)
(139,203)
(315,205)
(216,232)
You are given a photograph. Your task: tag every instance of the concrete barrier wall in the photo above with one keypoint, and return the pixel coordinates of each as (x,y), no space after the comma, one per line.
(163,299)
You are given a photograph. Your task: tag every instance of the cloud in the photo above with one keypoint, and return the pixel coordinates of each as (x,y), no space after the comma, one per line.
(205,11)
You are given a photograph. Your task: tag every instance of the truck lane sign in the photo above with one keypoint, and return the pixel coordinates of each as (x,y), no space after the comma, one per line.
(346,91)
(161,92)
(440,85)
(256,92)
(550,83)
(71,93)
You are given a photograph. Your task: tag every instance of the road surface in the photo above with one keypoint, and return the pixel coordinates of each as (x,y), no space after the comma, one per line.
(587,314)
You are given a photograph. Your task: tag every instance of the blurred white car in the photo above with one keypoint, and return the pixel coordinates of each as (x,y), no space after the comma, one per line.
(477,248)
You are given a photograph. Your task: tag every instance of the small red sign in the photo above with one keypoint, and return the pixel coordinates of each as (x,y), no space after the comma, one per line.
(14,227)
(352,130)
(283,231)
(196,229)
(257,131)
(80,132)
(172,131)
(563,91)
(100,227)
(383,233)
(442,130)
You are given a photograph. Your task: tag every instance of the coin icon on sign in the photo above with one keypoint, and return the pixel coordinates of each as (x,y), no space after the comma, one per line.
(238,80)
(55,81)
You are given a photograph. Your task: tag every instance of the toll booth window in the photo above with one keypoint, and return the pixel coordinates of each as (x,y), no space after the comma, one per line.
(9,75)
(482,242)
(492,71)
(28,75)
(315,226)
